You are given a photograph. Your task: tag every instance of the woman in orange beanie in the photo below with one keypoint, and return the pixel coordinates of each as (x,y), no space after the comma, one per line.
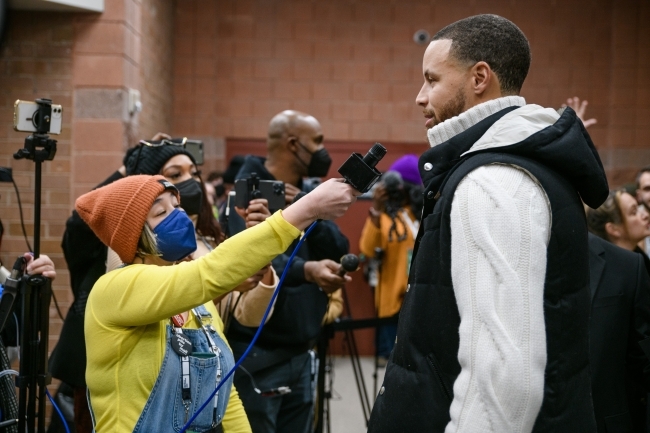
(154,343)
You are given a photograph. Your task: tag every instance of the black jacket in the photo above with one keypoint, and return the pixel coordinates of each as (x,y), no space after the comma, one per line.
(85,256)
(620,320)
(301,305)
(418,385)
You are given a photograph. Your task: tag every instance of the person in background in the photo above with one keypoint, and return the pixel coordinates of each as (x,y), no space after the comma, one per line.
(282,358)
(643,198)
(620,222)
(619,326)
(158,311)
(391,227)
(223,184)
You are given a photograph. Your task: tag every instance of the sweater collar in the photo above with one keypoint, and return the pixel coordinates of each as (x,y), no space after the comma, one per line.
(435,163)
(444,131)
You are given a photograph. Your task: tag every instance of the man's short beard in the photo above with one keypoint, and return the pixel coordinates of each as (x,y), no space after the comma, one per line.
(452,108)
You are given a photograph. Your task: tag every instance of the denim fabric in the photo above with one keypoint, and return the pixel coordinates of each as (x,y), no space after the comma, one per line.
(164,411)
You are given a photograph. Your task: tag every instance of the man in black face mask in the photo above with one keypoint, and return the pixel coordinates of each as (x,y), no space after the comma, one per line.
(282,356)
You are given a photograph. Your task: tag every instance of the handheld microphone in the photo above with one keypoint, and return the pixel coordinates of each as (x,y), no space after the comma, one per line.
(360,172)
(349,263)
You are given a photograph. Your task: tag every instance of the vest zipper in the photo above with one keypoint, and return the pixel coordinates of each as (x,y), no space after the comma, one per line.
(439,376)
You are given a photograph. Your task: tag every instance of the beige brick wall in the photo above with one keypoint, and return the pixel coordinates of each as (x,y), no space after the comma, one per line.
(36,61)
(156,67)
(354,65)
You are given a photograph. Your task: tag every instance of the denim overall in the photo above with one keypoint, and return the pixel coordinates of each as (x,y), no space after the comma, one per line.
(165,410)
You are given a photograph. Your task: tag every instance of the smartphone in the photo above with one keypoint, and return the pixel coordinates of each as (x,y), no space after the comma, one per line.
(195,148)
(271,190)
(24,121)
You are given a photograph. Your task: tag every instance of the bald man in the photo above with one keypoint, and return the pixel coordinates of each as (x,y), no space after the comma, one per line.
(282,358)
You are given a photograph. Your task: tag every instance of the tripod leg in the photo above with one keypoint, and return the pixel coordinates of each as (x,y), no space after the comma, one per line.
(358,375)
(323,343)
(45,294)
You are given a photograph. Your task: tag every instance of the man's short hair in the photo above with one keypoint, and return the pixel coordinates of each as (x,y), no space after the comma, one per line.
(645,169)
(494,40)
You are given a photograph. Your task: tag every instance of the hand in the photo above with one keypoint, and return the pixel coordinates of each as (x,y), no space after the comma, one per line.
(324,273)
(580,108)
(160,136)
(290,192)
(43,265)
(257,212)
(330,200)
(251,282)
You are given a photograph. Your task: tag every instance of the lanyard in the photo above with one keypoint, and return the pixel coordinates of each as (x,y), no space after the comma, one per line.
(207,330)
(179,339)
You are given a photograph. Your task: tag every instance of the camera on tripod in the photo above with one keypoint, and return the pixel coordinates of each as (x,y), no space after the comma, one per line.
(34,291)
(41,117)
(254,187)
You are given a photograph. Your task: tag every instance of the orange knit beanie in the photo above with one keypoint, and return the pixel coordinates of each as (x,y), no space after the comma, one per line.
(118,211)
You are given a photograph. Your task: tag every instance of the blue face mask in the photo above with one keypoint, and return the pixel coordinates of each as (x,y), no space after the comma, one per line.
(175,236)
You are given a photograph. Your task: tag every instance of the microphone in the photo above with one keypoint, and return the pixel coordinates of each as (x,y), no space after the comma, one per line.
(349,263)
(360,172)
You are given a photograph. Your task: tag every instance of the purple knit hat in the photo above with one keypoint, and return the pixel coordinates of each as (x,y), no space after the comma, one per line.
(407,166)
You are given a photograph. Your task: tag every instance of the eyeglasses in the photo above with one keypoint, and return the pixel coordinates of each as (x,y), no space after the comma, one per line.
(165,141)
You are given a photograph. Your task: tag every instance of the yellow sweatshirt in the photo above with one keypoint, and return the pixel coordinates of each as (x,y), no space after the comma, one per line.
(393,275)
(129,308)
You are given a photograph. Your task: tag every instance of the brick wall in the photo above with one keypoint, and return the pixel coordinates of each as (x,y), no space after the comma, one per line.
(354,65)
(36,61)
(156,67)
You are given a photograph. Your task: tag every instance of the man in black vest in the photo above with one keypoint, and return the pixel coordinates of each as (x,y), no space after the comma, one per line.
(281,359)
(493,332)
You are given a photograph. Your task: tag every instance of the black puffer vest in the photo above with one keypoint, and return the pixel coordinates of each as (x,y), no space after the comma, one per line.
(418,387)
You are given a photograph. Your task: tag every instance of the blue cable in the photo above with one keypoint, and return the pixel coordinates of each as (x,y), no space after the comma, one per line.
(259,329)
(65,424)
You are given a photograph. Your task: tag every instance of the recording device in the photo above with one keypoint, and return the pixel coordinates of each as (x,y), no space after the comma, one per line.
(195,148)
(41,116)
(349,263)
(360,172)
(254,187)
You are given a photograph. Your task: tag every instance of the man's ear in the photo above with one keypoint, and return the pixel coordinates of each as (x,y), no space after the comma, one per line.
(613,231)
(483,79)
(292,143)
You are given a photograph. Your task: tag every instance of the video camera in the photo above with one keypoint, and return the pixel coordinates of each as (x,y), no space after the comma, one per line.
(254,187)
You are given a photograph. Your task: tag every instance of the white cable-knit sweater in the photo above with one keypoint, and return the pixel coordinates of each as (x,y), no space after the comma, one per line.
(500,227)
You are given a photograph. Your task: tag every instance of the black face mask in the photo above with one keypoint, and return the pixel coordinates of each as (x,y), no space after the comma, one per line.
(319,164)
(191,196)
(220,190)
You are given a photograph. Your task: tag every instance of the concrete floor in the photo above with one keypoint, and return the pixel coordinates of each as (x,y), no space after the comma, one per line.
(346,412)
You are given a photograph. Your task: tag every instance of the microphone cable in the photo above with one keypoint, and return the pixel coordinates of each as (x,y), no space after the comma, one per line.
(259,329)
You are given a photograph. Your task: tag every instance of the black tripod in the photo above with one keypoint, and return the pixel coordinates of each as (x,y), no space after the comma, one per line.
(36,293)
